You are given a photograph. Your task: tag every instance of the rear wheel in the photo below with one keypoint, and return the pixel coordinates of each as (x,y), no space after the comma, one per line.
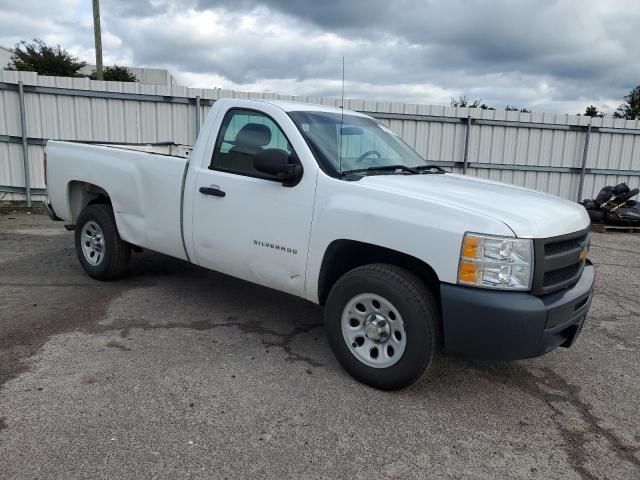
(382,323)
(101,251)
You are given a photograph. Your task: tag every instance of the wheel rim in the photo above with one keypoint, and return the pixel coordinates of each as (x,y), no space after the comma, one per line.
(92,243)
(373,330)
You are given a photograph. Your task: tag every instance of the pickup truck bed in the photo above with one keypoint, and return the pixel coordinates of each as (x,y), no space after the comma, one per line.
(145,187)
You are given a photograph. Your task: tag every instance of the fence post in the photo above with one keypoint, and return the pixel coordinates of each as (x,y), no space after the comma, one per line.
(467,134)
(25,148)
(197,116)
(585,152)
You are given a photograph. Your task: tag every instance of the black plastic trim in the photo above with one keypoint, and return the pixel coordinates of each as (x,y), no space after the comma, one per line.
(215,192)
(544,263)
(513,325)
(49,209)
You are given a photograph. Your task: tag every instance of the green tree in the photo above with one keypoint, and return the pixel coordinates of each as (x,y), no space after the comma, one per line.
(592,111)
(459,102)
(630,109)
(37,56)
(512,108)
(464,102)
(115,74)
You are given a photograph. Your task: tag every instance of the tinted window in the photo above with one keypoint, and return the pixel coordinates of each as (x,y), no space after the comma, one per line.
(243,134)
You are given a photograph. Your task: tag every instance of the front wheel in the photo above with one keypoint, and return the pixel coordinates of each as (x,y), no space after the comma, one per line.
(382,323)
(101,251)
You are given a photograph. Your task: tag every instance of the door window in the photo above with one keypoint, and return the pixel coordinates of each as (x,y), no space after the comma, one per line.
(244,134)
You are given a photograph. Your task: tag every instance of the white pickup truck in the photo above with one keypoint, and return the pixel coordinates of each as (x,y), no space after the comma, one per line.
(332,206)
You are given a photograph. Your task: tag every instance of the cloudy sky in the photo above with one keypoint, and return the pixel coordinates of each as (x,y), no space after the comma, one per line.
(548,55)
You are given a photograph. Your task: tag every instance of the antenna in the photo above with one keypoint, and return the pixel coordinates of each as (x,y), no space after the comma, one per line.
(341,122)
(342,99)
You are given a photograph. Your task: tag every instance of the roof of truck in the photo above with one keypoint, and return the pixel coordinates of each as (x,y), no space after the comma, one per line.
(289,106)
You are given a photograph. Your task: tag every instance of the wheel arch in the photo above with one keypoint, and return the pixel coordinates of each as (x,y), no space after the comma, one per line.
(344,255)
(80,194)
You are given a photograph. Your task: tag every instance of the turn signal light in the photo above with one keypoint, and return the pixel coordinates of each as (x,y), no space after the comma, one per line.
(470,247)
(468,272)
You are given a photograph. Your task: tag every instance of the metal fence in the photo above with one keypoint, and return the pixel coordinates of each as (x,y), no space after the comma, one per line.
(569,156)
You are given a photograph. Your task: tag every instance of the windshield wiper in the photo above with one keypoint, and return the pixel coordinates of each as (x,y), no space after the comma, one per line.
(383,168)
(430,169)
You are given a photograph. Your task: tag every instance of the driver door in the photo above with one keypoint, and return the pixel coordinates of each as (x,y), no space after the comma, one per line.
(246,223)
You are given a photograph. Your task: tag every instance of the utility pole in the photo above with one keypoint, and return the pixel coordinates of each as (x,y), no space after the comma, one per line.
(98,38)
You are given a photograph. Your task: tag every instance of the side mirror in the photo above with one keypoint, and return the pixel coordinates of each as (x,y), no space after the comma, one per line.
(274,161)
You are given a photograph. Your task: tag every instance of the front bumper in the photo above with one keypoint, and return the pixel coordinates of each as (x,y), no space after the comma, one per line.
(512,325)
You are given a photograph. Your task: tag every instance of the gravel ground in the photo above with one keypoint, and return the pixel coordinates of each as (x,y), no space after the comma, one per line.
(178,372)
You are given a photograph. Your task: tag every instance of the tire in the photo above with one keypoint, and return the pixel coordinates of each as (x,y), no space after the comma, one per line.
(96,232)
(410,312)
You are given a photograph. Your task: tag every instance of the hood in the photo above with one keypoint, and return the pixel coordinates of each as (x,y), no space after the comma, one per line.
(528,213)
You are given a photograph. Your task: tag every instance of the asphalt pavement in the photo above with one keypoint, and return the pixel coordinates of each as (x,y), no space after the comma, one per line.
(179,372)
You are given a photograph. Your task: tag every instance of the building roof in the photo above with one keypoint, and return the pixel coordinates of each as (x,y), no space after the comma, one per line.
(156,76)
(5,56)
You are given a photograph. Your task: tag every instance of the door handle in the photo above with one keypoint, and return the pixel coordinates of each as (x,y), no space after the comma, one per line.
(216,192)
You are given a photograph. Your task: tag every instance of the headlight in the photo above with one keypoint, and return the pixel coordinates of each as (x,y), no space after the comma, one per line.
(496,262)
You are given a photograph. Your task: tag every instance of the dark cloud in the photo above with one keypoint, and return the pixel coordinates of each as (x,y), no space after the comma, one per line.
(547,54)
(566,39)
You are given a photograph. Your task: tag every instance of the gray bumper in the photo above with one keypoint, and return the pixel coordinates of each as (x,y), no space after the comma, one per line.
(511,325)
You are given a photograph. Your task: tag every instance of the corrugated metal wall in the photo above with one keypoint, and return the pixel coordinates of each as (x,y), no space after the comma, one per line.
(539,150)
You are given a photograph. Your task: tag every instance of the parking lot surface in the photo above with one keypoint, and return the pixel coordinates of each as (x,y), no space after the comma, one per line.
(178,372)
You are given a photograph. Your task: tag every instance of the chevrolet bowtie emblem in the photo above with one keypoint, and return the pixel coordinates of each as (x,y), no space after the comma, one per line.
(584,252)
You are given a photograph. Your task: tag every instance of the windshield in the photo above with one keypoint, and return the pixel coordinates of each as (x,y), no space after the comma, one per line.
(354,142)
